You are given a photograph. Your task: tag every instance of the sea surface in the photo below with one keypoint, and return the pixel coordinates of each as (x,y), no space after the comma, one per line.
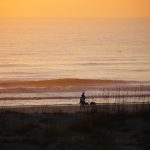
(68,49)
(41,49)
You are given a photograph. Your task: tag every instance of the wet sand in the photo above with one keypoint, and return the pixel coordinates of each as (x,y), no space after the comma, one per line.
(110,108)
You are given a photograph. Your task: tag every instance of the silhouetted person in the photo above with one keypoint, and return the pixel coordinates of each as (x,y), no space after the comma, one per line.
(82,99)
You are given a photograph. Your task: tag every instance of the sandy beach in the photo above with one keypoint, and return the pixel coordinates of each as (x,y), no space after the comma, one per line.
(106,108)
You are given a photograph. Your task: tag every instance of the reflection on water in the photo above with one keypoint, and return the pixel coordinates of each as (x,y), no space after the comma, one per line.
(102,49)
(38,102)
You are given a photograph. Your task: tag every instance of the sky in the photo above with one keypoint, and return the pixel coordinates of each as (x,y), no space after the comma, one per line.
(74,8)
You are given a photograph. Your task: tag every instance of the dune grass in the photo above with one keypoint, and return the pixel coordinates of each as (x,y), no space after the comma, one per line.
(88,130)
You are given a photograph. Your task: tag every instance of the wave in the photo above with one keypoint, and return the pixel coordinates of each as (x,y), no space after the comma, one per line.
(64,85)
(56,83)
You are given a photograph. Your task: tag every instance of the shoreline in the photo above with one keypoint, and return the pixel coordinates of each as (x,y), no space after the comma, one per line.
(75,108)
(67,91)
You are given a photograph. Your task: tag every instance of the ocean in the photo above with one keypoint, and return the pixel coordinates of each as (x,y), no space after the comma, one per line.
(106,49)
(52,61)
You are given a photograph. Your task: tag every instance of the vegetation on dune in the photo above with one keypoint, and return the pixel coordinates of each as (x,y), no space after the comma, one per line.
(91,130)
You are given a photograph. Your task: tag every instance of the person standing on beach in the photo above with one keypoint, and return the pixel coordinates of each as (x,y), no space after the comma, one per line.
(82,98)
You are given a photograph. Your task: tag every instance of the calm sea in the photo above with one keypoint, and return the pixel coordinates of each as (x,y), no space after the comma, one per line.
(39,49)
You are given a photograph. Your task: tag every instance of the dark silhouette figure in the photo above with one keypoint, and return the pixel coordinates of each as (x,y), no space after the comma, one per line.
(82,100)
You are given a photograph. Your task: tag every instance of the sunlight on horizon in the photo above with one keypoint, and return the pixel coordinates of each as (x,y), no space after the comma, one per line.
(74,8)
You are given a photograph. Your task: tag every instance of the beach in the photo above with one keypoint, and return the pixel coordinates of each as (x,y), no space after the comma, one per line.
(45,66)
(104,108)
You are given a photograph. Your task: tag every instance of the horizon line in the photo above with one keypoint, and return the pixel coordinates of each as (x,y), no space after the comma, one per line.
(131,17)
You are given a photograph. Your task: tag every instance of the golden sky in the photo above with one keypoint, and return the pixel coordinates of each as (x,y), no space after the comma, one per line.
(74,8)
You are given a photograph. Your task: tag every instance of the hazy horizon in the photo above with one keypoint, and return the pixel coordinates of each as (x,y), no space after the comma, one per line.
(75,8)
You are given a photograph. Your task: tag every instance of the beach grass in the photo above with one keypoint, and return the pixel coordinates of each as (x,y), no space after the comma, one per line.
(79,130)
